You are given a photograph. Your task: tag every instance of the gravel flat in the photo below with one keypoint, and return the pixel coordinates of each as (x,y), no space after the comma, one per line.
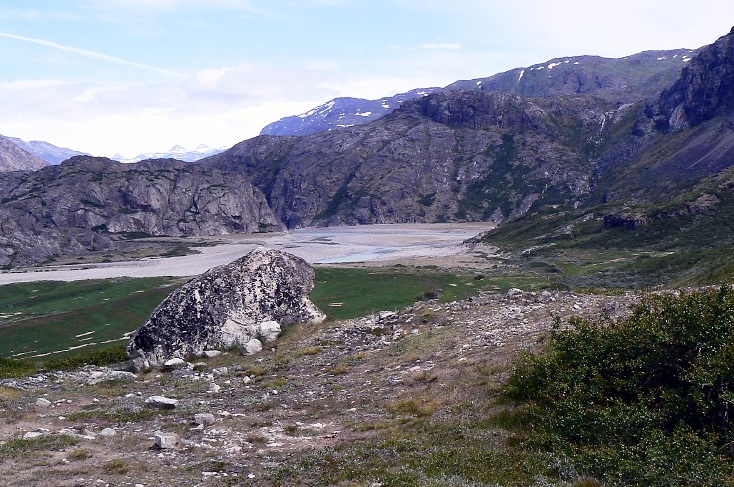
(331,245)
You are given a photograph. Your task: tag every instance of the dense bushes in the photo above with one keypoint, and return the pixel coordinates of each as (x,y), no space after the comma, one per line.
(647,400)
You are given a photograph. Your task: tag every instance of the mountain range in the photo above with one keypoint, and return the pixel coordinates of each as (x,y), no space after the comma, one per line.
(617,138)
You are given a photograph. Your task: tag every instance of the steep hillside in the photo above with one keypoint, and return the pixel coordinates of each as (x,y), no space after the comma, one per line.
(447,156)
(13,158)
(87,204)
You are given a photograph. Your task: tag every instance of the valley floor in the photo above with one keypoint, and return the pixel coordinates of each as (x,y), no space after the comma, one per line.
(427,244)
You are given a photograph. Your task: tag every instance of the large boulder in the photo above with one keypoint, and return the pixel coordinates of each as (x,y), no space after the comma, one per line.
(226,307)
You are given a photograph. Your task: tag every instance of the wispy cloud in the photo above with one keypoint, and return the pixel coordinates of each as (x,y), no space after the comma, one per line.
(92,54)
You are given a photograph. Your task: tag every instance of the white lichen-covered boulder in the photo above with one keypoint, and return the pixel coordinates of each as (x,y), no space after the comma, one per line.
(227,307)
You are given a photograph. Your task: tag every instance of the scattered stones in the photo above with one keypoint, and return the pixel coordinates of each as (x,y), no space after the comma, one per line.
(165,441)
(161,402)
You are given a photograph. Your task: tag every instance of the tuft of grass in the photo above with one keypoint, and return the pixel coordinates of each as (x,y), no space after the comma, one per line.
(116,466)
(20,447)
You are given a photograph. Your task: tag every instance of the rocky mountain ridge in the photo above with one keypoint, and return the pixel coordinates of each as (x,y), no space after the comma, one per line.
(628,79)
(471,155)
(14,158)
(46,151)
(341,113)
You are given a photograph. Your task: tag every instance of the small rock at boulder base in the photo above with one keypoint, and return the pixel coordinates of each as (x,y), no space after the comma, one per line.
(226,307)
(269,331)
(252,347)
(165,441)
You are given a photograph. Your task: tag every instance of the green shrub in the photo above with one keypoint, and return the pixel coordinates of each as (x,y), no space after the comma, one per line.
(643,401)
(16,368)
(105,356)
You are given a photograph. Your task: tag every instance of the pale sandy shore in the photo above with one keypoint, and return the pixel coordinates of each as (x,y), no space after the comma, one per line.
(332,245)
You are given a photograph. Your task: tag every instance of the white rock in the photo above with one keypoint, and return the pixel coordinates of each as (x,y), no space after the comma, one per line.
(204,419)
(214,387)
(32,435)
(218,372)
(252,347)
(212,353)
(107,432)
(43,403)
(269,331)
(161,402)
(165,441)
(175,363)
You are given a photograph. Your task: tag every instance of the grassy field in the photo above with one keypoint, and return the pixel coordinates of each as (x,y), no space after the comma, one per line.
(52,319)
(48,320)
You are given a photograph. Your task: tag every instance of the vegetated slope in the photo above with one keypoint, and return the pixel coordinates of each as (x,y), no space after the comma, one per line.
(86,203)
(13,158)
(665,185)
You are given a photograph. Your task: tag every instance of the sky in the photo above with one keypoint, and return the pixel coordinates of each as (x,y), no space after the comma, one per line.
(135,76)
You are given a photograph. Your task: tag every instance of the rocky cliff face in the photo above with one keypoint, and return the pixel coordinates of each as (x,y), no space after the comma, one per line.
(705,89)
(465,155)
(13,158)
(83,204)
(226,307)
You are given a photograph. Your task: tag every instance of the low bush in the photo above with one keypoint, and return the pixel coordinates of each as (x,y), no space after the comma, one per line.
(105,356)
(647,400)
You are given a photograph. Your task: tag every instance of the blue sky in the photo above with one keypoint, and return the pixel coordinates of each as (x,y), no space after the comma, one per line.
(132,76)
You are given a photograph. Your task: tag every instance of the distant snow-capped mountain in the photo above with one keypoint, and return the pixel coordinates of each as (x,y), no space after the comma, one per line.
(623,79)
(46,151)
(176,152)
(340,113)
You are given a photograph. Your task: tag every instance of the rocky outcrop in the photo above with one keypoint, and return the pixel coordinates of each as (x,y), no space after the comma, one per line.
(704,89)
(88,204)
(228,306)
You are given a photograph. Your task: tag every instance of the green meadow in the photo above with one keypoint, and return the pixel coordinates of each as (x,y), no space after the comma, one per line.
(41,321)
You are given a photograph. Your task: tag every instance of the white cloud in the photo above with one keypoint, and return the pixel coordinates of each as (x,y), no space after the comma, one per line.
(90,54)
